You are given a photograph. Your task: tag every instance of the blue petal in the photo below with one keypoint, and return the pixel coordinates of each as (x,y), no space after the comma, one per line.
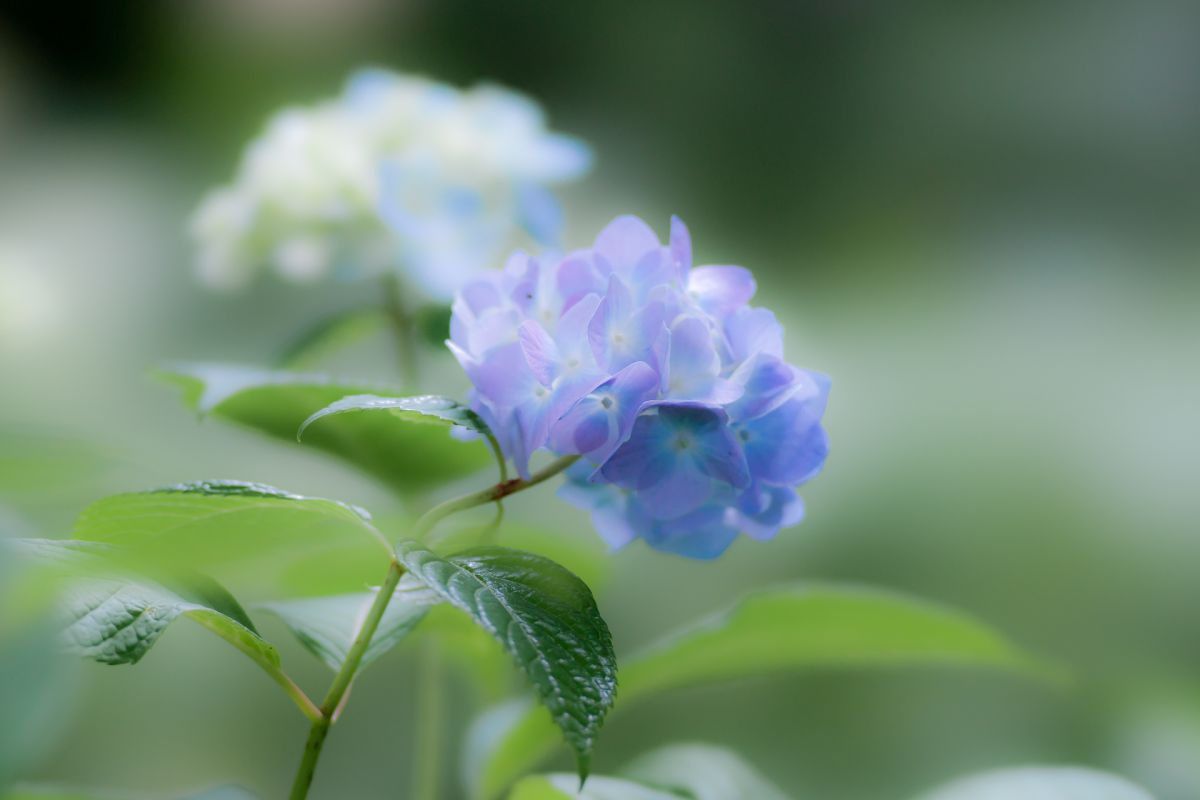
(704,533)
(540,213)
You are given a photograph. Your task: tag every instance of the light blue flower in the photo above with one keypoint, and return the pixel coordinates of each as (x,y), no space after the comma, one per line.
(691,426)
(398,173)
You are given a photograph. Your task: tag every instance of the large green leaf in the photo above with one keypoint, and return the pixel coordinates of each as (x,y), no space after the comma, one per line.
(546,619)
(243,530)
(406,458)
(788,628)
(470,649)
(327,626)
(1040,783)
(113,615)
(563,786)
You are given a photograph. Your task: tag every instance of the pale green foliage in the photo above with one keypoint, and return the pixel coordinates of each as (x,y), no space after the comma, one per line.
(1040,783)
(564,786)
(545,618)
(792,627)
(702,772)
(327,626)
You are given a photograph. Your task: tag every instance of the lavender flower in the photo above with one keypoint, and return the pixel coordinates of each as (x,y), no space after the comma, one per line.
(673,390)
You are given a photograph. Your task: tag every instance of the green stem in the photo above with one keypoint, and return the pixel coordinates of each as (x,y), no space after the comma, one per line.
(341,682)
(431,710)
(336,695)
(402,330)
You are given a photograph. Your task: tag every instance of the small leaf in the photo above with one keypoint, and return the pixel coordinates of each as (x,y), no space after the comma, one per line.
(332,334)
(789,628)
(114,616)
(405,458)
(702,772)
(547,620)
(562,786)
(250,530)
(430,409)
(1040,783)
(327,626)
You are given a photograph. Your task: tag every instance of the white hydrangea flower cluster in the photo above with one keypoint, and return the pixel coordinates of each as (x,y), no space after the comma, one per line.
(399,173)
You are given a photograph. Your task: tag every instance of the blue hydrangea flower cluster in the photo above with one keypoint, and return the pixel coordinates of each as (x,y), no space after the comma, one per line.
(690,425)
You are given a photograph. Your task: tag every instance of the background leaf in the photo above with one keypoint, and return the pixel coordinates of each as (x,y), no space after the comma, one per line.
(792,627)
(327,626)
(37,682)
(250,532)
(405,458)
(1040,783)
(330,335)
(547,620)
(564,786)
(702,772)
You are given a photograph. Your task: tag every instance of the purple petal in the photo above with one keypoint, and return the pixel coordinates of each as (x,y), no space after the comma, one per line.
(681,247)
(541,353)
(623,243)
(721,290)
(751,331)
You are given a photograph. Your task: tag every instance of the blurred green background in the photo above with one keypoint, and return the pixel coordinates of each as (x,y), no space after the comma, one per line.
(980,220)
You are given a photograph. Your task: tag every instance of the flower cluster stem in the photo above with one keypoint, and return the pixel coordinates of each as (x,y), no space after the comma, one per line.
(403,330)
(336,696)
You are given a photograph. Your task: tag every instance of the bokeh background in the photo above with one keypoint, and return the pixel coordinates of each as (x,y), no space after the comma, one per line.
(980,219)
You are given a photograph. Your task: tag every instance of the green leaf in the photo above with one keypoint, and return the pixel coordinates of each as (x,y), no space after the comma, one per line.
(332,334)
(771,631)
(114,616)
(1040,783)
(702,772)
(430,409)
(327,626)
(563,786)
(250,530)
(405,458)
(546,619)
(37,682)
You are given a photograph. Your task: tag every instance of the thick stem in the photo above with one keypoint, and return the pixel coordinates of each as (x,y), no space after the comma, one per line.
(402,330)
(334,698)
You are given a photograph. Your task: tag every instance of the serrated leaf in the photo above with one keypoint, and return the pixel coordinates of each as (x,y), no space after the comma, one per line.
(701,772)
(248,530)
(330,335)
(564,786)
(788,628)
(430,409)
(1040,783)
(327,626)
(113,615)
(546,619)
(405,458)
